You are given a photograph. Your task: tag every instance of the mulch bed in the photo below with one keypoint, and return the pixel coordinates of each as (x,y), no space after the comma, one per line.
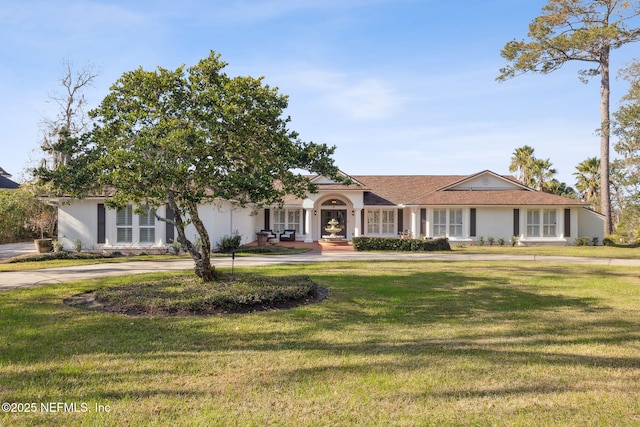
(88,301)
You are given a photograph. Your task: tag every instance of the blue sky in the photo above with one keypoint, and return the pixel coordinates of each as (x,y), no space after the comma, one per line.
(399,86)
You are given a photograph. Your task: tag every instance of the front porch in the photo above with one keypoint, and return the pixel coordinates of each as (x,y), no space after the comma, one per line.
(314,247)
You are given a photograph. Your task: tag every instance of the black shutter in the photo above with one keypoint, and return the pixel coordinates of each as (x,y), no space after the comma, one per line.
(101,223)
(516,222)
(169,229)
(472,225)
(423,222)
(567,223)
(362,223)
(400,221)
(267,219)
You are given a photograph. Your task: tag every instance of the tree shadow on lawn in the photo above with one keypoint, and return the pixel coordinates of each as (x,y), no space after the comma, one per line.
(405,316)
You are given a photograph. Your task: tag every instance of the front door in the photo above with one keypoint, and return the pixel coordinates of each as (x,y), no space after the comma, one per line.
(327,215)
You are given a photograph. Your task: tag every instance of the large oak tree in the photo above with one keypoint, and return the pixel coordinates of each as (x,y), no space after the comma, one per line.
(188,137)
(578,30)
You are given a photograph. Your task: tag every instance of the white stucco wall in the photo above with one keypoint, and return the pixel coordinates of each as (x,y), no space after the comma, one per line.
(78,220)
(222,219)
(494,222)
(590,224)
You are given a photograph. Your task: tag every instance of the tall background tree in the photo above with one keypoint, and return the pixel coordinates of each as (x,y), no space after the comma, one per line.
(626,176)
(71,119)
(537,173)
(189,137)
(584,31)
(588,180)
(521,164)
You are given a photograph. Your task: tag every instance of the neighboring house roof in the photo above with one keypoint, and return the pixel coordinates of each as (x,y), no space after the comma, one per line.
(7,183)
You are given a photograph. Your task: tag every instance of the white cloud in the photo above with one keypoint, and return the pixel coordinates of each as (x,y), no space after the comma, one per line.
(345,95)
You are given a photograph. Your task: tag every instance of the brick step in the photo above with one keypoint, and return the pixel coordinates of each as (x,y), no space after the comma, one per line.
(344,244)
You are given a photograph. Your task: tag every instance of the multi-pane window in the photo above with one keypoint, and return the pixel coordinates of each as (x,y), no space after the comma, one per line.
(549,223)
(294,220)
(147,225)
(373,222)
(439,223)
(533,223)
(287,219)
(279,218)
(381,221)
(124,225)
(542,223)
(455,222)
(388,221)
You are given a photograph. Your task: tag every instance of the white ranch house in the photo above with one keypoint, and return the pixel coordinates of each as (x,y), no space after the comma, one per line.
(461,208)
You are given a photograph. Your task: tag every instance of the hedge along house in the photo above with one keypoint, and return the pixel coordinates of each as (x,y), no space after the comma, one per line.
(461,208)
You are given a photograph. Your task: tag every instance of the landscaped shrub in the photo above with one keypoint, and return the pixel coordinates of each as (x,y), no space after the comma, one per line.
(392,244)
(55,255)
(501,241)
(480,240)
(581,241)
(229,244)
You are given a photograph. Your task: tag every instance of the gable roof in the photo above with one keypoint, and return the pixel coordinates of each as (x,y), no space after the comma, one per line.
(7,183)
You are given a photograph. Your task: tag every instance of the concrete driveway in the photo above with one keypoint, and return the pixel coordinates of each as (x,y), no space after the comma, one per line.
(15,249)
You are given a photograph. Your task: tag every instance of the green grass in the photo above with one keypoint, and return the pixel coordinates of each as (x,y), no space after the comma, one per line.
(625,252)
(25,264)
(397,343)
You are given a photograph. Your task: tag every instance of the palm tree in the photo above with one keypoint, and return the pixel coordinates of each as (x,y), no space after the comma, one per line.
(561,189)
(521,163)
(588,180)
(542,172)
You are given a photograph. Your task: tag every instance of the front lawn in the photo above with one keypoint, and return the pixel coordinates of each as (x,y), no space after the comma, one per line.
(396,343)
(624,252)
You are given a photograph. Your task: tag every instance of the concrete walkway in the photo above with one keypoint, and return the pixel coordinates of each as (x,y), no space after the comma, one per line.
(21,279)
(14,249)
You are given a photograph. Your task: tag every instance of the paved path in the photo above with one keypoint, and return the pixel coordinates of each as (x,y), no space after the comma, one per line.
(14,249)
(11,280)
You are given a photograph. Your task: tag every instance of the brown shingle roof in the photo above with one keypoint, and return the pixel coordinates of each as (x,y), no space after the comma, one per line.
(427,190)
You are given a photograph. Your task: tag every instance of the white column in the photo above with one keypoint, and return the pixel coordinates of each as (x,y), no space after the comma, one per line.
(357,232)
(415,223)
(307,226)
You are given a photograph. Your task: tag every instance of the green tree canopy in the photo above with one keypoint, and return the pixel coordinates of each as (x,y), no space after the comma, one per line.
(626,176)
(188,137)
(584,31)
(588,180)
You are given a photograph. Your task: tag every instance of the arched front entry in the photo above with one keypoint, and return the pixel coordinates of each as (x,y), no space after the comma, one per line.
(334,208)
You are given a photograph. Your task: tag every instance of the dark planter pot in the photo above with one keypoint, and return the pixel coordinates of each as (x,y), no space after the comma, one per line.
(43,245)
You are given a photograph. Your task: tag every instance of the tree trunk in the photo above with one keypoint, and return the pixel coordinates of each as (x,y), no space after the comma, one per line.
(203,267)
(201,258)
(605,94)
